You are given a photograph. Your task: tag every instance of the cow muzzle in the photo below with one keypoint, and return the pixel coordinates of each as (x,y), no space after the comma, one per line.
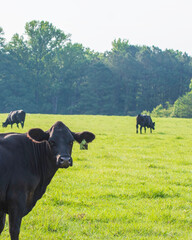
(64,161)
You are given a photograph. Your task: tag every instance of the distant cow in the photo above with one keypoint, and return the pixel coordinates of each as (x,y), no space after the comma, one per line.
(144,121)
(28,162)
(17,117)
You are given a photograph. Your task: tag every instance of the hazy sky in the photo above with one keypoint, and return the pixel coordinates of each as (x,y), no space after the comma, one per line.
(96,23)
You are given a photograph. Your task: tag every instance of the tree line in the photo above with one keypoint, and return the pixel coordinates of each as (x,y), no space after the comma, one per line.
(42,71)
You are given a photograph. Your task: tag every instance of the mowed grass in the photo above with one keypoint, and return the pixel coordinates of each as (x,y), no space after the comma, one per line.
(126,186)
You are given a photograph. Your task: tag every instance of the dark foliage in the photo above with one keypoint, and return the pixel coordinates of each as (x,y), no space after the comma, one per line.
(48,74)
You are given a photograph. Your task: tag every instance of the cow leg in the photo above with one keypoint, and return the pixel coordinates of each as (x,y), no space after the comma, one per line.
(141,130)
(137,128)
(17,125)
(150,130)
(22,124)
(145,129)
(2,221)
(15,218)
(15,210)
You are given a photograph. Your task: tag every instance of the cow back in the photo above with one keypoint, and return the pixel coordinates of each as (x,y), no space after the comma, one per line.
(144,120)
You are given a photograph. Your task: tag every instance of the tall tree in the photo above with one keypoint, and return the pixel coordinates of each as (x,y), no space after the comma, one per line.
(44,41)
(68,72)
(2,39)
(123,63)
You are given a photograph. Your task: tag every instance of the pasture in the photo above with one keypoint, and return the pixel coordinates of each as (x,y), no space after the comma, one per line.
(126,186)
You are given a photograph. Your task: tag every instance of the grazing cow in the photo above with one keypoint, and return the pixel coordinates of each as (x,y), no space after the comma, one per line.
(144,121)
(28,162)
(17,117)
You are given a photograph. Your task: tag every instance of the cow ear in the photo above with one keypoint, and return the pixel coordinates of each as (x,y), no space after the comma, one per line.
(88,136)
(37,134)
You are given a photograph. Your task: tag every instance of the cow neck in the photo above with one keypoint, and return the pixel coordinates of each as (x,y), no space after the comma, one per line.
(7,121)
(44,164)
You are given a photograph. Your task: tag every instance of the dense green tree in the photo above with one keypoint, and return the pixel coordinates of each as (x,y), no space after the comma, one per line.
(2,39)
(44,41)
(38,57)
(44,72)
(97,90)
(147,81)
(68,72)
(124,66)
(183,105)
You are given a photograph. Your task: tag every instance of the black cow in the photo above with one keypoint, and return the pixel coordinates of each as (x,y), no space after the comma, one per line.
(144,121)
(28,162)
(17,117)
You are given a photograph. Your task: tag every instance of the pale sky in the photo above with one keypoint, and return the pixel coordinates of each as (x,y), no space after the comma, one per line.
(96,23)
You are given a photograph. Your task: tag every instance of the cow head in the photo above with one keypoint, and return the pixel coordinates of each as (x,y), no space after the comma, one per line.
(153,125)
(4,124)
(60,140)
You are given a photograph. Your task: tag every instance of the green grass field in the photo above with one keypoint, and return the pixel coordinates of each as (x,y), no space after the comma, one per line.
(126,186)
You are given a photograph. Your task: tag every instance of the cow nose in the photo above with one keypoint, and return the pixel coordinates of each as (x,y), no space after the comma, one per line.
(71,162)
(65,161)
